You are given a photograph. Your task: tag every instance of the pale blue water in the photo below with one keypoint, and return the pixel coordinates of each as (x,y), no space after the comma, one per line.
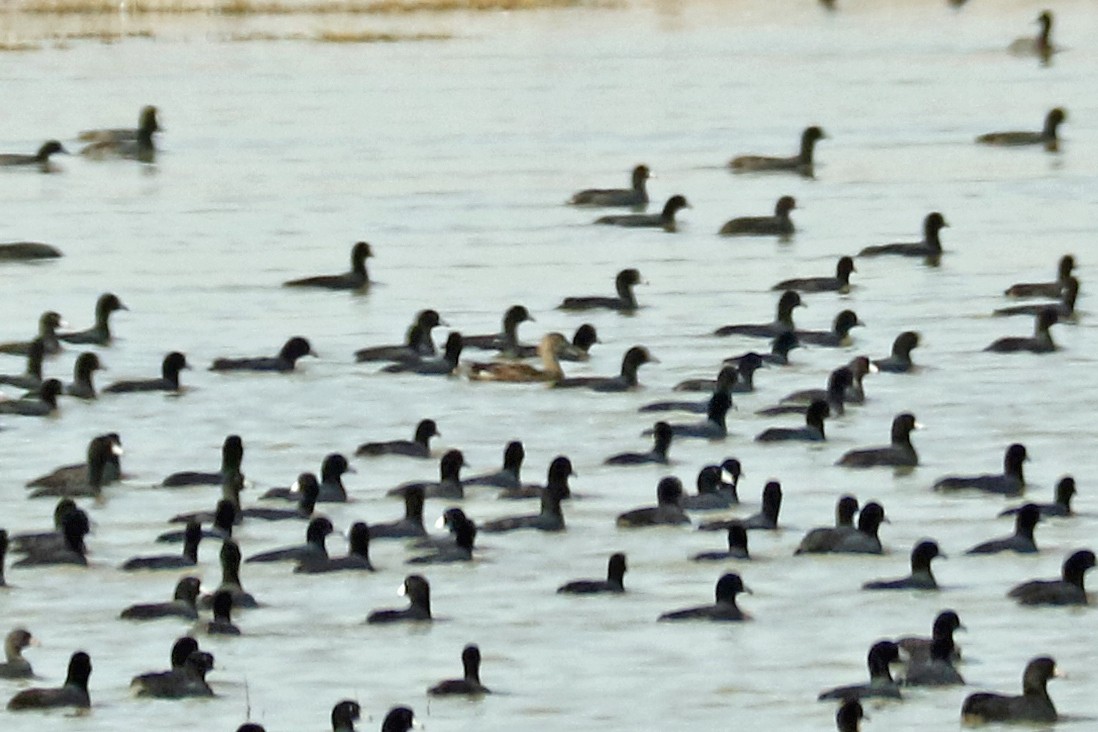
(453,158)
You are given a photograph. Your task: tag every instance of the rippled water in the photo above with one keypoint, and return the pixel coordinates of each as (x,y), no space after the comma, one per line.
(453,158)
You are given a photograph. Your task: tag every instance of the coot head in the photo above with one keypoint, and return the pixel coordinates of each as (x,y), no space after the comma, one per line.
(669,491)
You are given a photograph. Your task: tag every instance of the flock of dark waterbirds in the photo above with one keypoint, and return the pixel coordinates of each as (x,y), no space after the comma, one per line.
(928,661)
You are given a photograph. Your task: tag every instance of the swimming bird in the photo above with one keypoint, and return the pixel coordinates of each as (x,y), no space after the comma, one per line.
(662,437)
(578,350)
(189,557)
(139,147)
(74,692)
(449,483)
(184,680)
(636,196)
(40,159)
(930,247)
(225,515)
(737,546)
(285,361)
(356,279)
(850,714)
(801,163)
(1046,137)
(399,719)
(813,430)
(1068,590)
(146,122)
(860,367)
(418,592)
(469,684)
(344,716)
(232,455)
(862,540)
(1065,491)
(667,511)
(222,623)
(556,480)
(625,301)
(921,577)
(712,494)
(231,488)
(839,283)
(821,539)
(1045,289)
(899,362)
(229,559)
(917,648)
(170,367)
(549,517)
(100,333)
(723,609)
(1039,45)
(1041,342)
(187,682)
(451,518)
(509,475)
(506,340)
(48,323)
(1011,482)
(779,224)
(85,366)
(182,604)
(419,446)
(517,372)
(837,337)
(626,380)
(31,378)
(780,347)
(316,533)
(25,251)
(181,650)
(74,527)
(464,533)
(32,541)
(332,469)
(411,526)
(1021,541)
(446,365)
(102,451)
(937,670)
(727,379)
(900,453)
(417,341)
(613,584)
(14,665)
(357,557)
(834,396)
(782,322)
(731,472)
(746,366)
(766,519)
(713,427)
(881,685)
(1065,308)
(664,220)
(1034,705)
(43,402)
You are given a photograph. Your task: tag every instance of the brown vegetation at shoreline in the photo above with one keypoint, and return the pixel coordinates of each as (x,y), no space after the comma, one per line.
(285,7)
(332,36)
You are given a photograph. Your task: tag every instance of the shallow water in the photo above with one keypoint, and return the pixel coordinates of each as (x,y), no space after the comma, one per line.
(453,158)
